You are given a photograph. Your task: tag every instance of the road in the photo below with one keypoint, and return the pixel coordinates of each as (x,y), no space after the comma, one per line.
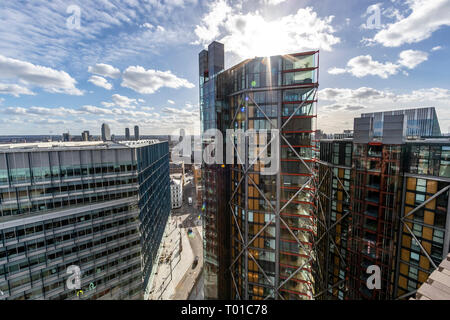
(188,281)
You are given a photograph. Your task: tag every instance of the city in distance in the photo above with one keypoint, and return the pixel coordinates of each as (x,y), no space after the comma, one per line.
(225,150)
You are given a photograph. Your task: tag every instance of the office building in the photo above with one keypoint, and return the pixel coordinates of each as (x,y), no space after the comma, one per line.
(85,136)
(176,192)
(100,206)
(264,219)
(136,133)
(106,132)
(384,201)
(127,134)
(421,122)
(66,137)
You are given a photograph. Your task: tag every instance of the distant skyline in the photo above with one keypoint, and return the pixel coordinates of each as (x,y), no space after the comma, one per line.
(134,62)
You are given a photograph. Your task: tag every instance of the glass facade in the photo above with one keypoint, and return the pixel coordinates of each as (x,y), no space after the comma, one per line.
(421,122)
(400,217)
(84,206)
(334,212)
(271,222)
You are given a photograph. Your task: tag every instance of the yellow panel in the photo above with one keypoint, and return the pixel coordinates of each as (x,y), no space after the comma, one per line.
(411,183)
(423,276)
(409,198)
(405,255)
(406,241)
(430,205)
(426,246)
(427,233)
(403,268)
(428,218)
(402,282)
(424,263)
(408,210)
(432,186)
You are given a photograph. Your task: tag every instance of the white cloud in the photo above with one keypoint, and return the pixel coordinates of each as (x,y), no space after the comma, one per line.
(412,58)
(149,81)
(252,34)
(105,70)
(362,66)
(108,104)
(436,48)
(426,17)
(42,111)
(96,110)
(14,89)
(123,101)
(336,70)
(171,101)
(365,99)
(343,107)
(100,82)
(179,112)
(273,2)
(371,95)
(49,79)
(352,95)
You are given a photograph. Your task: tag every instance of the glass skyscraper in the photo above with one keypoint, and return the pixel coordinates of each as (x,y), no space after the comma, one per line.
(100,206)
(259,228)
(421,122)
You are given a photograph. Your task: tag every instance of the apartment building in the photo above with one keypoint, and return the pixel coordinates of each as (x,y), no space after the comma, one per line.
(266,220)
(385,202)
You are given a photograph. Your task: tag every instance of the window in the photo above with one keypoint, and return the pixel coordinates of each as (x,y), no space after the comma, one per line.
(417,230)
(414,258)
(421,185)
(438,236)
(413,273)
(420,198)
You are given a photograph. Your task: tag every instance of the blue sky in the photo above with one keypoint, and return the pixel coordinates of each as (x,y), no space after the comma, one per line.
(135,62)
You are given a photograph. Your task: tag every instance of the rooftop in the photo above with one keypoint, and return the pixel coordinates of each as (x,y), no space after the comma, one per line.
(437,286)
(78,145)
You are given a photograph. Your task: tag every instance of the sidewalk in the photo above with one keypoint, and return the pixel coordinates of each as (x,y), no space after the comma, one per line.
(172,266)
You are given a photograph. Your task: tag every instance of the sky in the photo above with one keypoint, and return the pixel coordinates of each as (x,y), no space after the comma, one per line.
(69,66)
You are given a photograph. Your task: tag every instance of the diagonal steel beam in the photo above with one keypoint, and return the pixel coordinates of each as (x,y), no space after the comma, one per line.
(427,201)
(420,245)
(300,106)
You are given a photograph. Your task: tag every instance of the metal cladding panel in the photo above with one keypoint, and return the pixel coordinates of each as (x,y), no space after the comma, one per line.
(202,62)
(394,129)
(216,58)
(363,130)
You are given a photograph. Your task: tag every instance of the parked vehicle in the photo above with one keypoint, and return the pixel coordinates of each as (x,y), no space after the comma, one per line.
(194,265)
